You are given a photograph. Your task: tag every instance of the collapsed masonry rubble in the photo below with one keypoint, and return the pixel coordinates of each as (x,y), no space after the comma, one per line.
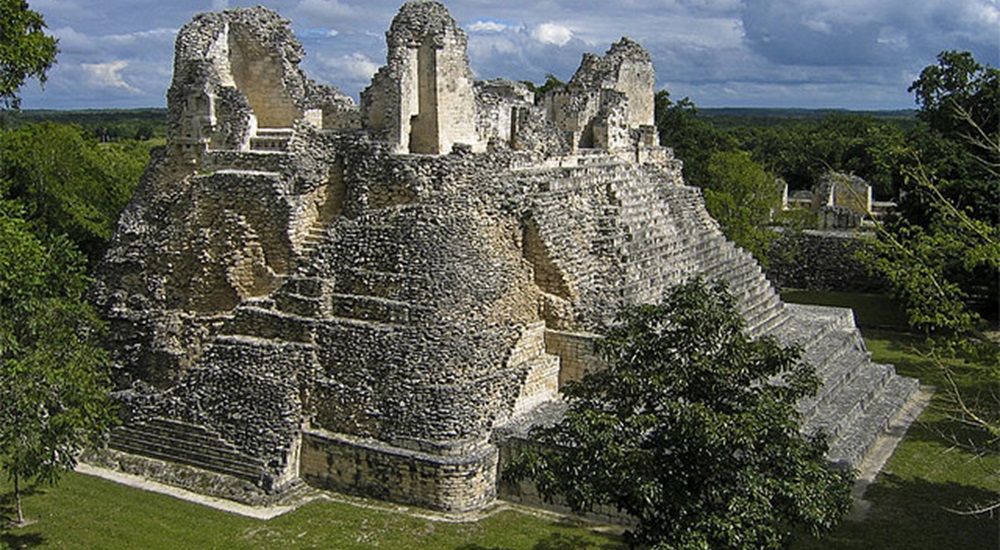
(375,298)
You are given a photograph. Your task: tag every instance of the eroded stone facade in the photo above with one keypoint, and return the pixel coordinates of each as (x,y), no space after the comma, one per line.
(376,299)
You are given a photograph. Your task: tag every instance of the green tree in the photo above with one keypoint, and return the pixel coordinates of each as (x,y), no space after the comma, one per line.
(742,197)
(68,183)
(940,250)
(801,152)
(960,98)
(944,272)
(25,50)
(54,384)
(693,139)
(692,429)
(959,101)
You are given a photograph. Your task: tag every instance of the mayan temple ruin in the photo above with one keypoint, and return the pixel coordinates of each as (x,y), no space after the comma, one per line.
(379,299)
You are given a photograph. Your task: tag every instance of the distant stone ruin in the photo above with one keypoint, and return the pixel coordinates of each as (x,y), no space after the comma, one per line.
(381,299)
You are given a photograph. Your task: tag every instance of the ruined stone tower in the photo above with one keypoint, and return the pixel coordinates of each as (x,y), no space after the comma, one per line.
(379,300)
(421,101)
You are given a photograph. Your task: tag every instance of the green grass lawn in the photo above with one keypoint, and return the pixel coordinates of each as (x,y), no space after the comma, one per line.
(87,512)
(870,310)
(910,500)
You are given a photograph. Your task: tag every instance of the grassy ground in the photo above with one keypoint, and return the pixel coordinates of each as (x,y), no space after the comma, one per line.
(86,512)
(870,310)
(910,499)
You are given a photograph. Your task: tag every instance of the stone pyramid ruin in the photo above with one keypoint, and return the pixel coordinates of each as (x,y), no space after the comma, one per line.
(378,298)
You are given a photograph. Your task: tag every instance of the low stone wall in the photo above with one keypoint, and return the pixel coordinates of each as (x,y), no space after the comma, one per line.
(822,261)
(576,352)
(453,483)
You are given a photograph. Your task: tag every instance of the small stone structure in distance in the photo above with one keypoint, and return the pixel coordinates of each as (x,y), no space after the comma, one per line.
(380,298)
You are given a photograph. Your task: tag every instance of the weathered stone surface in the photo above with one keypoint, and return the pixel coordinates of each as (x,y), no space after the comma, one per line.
(378,302)
(822,260)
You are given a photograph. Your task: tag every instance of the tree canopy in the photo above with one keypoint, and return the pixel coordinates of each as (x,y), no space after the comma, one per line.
(942,249)
(54,385)
(742,197)
(692,430)
(25,50)
(69,184)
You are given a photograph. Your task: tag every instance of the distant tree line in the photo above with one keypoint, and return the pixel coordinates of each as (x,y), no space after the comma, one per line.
(111,125)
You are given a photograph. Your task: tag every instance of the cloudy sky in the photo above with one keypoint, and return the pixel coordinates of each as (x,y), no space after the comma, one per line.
(855,54)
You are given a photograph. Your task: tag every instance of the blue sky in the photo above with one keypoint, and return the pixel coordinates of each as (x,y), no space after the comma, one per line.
(854,54)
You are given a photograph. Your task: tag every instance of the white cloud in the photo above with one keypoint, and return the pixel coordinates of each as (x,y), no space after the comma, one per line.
(107,75)
(720,52)
(355,66)
(552,33)
(144,37)
(219,5)
(491,26)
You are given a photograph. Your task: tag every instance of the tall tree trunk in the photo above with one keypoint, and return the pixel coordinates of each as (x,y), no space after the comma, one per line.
(17,499)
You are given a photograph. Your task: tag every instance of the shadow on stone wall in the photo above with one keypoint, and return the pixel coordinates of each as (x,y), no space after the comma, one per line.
(821,261)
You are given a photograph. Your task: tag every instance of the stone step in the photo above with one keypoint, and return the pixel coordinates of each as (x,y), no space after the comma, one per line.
(198,458)
(180,443)
(302,306)
(275,132)
(836,414)
(239,174)
(851,449)
(186,444)
(373,308)
(271,139)
(380,284)
(269,325)
(770,325)
(252,161)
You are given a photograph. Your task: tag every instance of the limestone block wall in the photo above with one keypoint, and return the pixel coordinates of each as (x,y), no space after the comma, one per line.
(576,351)
(541,382)
(260,74)
(455,483)
(496,104)
(611,126)
(422,101)
(573,111)
(637,81)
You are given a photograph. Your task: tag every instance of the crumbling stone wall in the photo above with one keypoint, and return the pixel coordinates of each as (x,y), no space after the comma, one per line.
(235,71)
(608,98)
(823,261)
(497,102)
(422,100)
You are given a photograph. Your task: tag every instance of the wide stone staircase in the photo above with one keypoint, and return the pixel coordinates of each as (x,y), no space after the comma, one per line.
(184,443)
(660,234)
(858,398)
